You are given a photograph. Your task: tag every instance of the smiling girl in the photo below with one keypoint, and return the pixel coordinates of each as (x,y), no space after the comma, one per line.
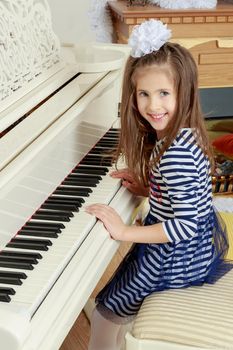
(165,145)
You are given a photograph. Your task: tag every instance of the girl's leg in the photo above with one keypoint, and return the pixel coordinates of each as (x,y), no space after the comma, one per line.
(104,333)
(121,335)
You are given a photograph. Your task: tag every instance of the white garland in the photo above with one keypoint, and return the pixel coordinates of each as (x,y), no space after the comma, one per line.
(185,4)
(101,22)
(148,37)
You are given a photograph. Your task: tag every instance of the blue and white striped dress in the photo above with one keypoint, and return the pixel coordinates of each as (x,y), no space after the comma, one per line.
(180,198)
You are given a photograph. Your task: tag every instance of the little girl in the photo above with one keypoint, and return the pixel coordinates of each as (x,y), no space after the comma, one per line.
(166,149)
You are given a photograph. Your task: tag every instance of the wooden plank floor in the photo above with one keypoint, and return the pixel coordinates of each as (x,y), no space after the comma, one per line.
(78,337)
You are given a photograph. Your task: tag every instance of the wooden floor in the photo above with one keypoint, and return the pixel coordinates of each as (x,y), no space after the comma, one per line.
(78,337)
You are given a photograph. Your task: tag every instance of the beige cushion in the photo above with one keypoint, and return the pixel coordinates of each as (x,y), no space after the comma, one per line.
(197,316)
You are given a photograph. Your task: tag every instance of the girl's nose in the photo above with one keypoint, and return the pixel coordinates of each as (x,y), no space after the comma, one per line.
(154,104)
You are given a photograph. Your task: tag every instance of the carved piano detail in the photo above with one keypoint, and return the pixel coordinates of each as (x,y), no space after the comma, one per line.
(55,126)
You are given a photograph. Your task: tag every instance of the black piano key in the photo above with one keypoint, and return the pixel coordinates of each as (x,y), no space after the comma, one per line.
(16,259)
(77,182)
(41,229)
(28,245)
(10,280)
(7,290)
(54,212)
(103,148)
(90,170)
(46,217)
(65,200)
(96,162)
(31,240)
(4,297)
(45,224)
(84,177)
(16,265)
(112,134)
(94,156)
(60,206)
(99,151)
(26,255)
(98,158)
(13,274)
(110,144)
(82,190)
(72,192)
(60,203)
(45,234)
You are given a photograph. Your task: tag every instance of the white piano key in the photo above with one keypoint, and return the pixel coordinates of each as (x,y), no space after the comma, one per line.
(34,197)
(44,174)
(9,206)
(57,165)
(38,184)
(10,222)
(71,157)
(5,237)
(91,131)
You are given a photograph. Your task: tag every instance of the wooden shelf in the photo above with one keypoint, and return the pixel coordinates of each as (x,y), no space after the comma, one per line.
(208,33)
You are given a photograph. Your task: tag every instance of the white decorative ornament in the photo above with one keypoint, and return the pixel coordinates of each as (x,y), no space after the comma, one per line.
(184,4)
(100,20)
(28,45)
(204,4)
(148,37)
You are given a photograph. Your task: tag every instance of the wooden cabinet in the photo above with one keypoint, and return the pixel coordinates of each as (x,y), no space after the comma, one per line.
(208,33)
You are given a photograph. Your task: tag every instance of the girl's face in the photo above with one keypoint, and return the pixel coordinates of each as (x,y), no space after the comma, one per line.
(156,98)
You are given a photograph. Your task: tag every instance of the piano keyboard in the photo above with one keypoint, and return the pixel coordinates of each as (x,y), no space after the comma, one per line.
(33,260)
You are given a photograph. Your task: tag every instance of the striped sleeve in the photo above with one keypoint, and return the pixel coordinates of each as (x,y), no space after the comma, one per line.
(181,179)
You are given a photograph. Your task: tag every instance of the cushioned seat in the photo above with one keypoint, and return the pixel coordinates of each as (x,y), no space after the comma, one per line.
(192,318)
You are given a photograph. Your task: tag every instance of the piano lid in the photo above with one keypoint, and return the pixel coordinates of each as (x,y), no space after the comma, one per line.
(33,65)
(95,57)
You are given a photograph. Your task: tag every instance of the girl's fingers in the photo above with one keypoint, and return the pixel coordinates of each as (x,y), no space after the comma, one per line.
(122,174)
(99,209)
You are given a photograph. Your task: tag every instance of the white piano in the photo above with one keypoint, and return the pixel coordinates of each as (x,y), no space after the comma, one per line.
(58,116)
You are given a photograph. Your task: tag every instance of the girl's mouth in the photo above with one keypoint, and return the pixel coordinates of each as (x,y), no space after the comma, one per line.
(157,116)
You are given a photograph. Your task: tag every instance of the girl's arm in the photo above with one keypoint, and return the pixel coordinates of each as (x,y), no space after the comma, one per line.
(128,181)
(119,231)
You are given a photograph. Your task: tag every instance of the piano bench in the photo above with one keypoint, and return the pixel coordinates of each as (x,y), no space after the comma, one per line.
(186,319)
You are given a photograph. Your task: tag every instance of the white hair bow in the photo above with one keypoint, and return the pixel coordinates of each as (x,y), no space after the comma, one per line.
(148,37)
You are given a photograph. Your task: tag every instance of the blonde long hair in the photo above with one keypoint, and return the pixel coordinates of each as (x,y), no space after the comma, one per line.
(137,137)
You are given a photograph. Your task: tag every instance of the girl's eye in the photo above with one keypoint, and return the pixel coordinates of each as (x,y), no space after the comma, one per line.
(164,93)
(142,93)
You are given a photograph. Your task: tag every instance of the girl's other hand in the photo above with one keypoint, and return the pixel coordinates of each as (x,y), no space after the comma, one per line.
(129,181)
(109,217)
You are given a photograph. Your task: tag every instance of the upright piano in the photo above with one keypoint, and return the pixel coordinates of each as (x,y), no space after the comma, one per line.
(58,125)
